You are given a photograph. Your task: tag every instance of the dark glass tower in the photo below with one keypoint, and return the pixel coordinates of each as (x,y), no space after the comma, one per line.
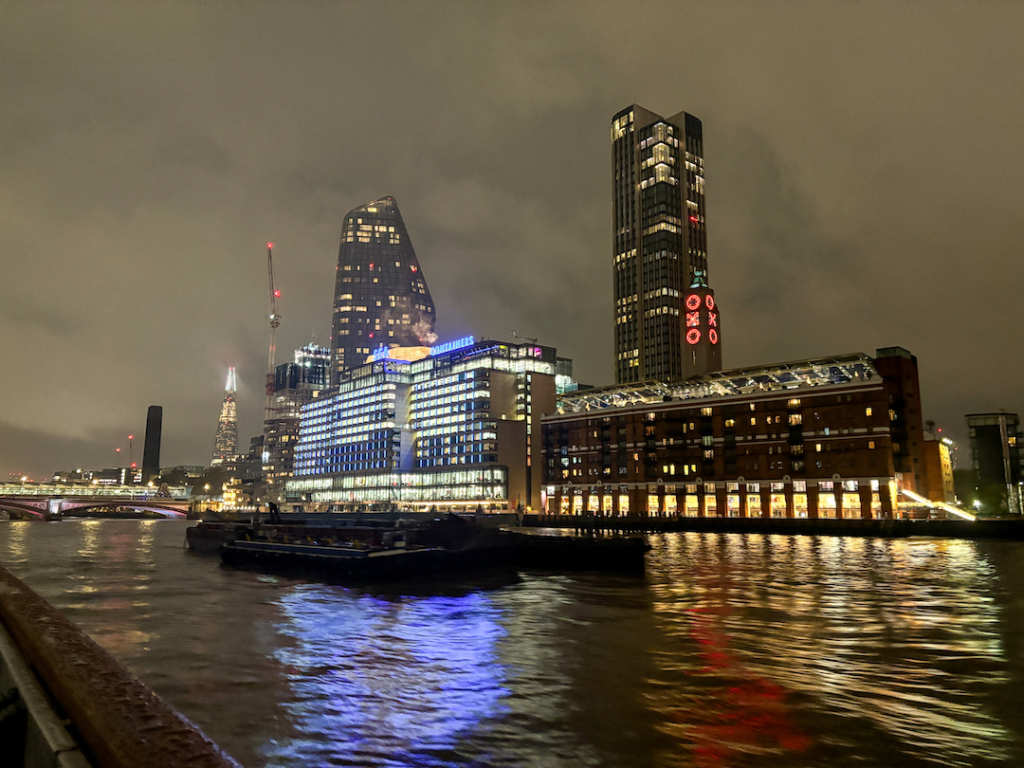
(660,249)
(151,455)
(380,295)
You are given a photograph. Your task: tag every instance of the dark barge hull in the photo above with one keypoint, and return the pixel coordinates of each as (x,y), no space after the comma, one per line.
(441,551)
(334,562)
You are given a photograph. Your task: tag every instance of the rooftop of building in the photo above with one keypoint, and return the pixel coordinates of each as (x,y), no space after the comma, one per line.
(777,377)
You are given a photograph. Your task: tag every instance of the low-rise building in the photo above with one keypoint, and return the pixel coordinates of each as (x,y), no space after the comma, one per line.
(996,460)
(824,438)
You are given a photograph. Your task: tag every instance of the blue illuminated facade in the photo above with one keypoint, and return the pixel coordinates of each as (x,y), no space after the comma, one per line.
(457,428)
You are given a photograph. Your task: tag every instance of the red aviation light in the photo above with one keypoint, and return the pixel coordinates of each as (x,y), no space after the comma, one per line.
(710,301)
(713,336)
(270,245)
(693,301)
(692,336)
(277,294)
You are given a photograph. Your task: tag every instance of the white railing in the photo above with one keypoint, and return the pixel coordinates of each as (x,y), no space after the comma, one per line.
(65,491)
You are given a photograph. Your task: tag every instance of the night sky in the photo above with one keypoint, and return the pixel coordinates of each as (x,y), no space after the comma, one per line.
(865,188)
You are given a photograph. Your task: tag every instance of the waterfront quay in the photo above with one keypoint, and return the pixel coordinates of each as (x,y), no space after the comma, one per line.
(1010,528)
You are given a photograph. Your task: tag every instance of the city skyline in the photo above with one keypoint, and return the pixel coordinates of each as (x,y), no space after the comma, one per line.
(838,142)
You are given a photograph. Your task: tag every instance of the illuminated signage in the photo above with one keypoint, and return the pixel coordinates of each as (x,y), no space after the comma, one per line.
(693,301)
(451,346)
(692,336)
(380,353)
(713,336)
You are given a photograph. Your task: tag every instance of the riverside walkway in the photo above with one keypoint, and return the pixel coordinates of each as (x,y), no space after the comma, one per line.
(67,703)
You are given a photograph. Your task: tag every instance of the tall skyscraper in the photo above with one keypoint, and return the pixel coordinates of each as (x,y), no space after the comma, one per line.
(667,325)
(380,294)
(225,445)
(151,454)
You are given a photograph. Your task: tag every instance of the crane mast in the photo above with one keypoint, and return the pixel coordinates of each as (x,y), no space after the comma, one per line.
(275,321)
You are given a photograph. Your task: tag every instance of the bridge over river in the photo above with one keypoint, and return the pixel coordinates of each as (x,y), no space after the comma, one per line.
(57,500)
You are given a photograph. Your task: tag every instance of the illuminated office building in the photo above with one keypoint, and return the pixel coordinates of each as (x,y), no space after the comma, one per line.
(455,426)
(380,294)
(225,444)
(295,385)
(835,437)
(667,326)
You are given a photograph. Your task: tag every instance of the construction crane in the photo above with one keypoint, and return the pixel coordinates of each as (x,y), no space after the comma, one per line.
(275,321)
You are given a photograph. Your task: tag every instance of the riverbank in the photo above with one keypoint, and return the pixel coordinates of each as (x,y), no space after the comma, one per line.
(995,528)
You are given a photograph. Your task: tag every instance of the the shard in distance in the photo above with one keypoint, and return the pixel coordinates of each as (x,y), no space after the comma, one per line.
(225,444)
(380,295)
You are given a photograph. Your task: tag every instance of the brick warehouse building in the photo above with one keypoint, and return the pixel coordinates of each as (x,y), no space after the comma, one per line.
(825,438)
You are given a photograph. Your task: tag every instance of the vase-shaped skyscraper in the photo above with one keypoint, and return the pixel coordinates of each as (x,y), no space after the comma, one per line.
(226,443)
(380,294)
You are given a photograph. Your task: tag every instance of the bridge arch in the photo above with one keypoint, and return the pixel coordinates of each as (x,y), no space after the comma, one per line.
(35,509)
(169,509)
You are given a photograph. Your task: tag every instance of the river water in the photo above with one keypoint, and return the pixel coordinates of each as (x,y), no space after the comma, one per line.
(733,650)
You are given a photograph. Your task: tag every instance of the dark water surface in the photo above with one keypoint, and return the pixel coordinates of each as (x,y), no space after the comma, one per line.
(734,650)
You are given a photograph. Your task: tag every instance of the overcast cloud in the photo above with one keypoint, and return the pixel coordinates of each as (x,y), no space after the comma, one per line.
(865,187)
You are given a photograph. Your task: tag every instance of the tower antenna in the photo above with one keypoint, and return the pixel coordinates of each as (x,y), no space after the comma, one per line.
(275,321)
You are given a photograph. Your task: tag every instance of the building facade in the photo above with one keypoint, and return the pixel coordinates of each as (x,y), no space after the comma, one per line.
(659,247)
(380,295)
(996,459)
(225,444)
(452,427)
(295,384)
(824,438)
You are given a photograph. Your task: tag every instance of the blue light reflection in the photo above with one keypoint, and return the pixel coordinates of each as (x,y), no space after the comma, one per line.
(398,681)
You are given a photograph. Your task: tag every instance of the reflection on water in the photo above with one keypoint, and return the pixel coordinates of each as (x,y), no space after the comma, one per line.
(735,650)
(389,681)
(837,649)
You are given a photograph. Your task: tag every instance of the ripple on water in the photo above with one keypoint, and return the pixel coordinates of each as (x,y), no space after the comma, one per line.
(734,650)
